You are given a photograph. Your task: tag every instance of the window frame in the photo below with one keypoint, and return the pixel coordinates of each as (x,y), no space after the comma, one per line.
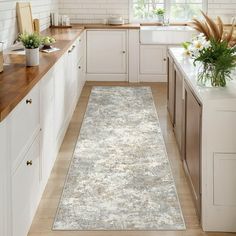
(167,6)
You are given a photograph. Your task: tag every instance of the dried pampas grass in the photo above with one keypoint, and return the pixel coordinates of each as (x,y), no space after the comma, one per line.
(214,30)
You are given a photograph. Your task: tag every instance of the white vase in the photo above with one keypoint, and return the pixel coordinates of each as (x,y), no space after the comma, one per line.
(32,57)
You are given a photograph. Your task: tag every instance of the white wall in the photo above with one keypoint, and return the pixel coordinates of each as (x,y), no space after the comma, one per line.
(94,11)
(8,24)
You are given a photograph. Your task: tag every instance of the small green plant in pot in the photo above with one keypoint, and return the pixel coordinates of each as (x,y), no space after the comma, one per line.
(31,42)
(160,13)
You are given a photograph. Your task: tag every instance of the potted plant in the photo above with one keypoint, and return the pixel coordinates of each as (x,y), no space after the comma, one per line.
(159,12)
(214,51)
(31,42)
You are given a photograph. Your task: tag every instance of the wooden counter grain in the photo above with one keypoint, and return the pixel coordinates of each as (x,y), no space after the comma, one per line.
(17,79)
(106,26)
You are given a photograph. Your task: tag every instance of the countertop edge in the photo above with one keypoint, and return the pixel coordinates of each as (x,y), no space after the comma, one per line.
(5,112)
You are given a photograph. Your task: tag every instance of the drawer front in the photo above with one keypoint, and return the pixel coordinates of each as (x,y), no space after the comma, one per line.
(26,190)
(24,126)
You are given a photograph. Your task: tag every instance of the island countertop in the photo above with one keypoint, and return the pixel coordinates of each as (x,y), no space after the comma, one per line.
(190,72)
(17,80)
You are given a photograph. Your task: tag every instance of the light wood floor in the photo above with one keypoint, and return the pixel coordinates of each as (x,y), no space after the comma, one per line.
(44,218)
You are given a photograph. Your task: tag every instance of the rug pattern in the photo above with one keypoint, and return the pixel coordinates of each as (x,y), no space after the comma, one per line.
(120,176)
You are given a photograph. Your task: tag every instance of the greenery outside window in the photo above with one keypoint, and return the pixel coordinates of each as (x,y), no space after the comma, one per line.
(175,10)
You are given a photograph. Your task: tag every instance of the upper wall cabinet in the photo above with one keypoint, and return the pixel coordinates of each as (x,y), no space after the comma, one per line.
(107,54)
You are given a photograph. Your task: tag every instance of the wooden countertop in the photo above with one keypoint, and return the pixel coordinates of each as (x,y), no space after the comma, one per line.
(17,80)
(105,26)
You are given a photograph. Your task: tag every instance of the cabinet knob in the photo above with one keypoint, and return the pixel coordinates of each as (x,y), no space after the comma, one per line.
(29,163)
(79,67)
(29,101)
(164,59)
(72,49)
(123,52)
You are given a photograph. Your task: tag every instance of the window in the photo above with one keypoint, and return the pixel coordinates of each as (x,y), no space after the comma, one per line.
(176,10)
(143,9)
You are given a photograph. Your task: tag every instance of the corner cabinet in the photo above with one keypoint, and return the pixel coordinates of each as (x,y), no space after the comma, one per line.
(30,138)
(107,55)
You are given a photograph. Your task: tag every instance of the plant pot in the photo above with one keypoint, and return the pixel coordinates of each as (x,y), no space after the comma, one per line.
(32,57)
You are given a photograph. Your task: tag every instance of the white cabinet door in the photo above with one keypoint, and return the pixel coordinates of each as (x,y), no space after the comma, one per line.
(71,79)
(47,125)
(153,63)
(24,126)
(153,59)
(60,103)
(5,180)
(26,191)
(107,52)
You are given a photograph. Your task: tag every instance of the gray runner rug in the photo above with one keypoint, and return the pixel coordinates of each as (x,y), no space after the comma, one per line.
(120,176)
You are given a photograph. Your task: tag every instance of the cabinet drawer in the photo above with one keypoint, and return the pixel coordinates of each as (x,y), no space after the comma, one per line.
(26,190)
(24,126)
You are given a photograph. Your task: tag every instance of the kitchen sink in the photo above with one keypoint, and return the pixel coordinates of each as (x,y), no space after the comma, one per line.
(165,34)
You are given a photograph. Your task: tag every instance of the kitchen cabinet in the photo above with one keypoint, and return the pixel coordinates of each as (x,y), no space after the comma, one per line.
(26,190)
(192,157)
(60,98)
(72,70)
(5,180)
(171,88)
(31,136)
(24,126)
(107,55)
(178,108)
(208,145)
(47,119)
(153,63)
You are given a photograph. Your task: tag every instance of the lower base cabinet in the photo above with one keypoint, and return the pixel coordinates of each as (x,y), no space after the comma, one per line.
(26,190)
(153,63)
(42,119)
(192,157)
(186,117)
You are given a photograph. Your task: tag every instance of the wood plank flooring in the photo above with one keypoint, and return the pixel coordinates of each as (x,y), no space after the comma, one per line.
(44,218)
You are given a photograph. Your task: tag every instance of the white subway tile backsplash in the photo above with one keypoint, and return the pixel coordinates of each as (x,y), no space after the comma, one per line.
(87,11)
(94,11)
(8,23)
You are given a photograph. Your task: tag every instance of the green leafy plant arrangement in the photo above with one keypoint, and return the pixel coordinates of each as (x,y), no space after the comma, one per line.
(159,11)
(31,41)
(214,49)
(218,61)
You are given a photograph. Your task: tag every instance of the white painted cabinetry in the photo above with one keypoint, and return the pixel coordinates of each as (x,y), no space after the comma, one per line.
(26,190)
(24,126)
(47,120)
(107,55)
(153,63)
(30,138)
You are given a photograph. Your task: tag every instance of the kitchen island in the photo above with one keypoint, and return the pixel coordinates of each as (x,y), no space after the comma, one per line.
(203,120)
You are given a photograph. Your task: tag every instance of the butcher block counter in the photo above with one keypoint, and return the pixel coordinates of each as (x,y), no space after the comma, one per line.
(17,79)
